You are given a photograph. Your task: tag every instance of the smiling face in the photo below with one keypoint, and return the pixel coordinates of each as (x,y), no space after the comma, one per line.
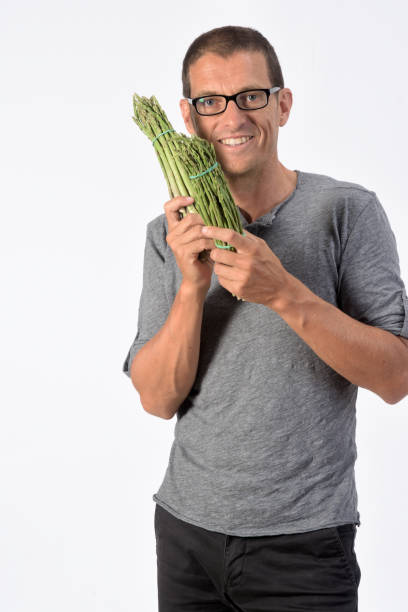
(213,74)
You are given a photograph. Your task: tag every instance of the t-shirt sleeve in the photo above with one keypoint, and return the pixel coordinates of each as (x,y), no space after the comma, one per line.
(370,287)
(153,305)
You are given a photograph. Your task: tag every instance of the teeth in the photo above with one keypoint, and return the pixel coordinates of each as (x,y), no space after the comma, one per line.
(235,141)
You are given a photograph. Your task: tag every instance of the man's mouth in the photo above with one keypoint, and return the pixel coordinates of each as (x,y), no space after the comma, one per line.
(235,142)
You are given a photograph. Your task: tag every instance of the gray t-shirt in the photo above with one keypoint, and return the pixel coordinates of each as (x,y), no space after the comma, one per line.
(264,443)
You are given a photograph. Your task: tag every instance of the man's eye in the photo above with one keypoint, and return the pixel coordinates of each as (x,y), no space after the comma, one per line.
(206,101)
(252,97)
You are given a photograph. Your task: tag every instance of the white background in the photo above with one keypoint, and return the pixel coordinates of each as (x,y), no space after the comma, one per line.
(80,459)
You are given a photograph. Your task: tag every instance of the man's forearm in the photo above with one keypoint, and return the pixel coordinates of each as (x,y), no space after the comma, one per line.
(164,369)
(367,356)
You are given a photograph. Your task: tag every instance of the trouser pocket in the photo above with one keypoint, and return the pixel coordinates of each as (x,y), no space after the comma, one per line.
(345,538)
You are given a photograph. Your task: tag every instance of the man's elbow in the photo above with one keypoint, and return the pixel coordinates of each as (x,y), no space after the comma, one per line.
(396,393)
(395,388)
(152,408)
(395,399)
(400,388)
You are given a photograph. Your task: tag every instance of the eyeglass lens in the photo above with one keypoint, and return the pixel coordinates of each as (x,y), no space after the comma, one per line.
(248,100)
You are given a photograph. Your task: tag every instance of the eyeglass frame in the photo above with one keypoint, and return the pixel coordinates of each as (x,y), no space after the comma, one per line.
(271,90)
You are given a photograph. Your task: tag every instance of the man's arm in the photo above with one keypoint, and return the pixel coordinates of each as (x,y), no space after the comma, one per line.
(369,288)
(164,369)
(367,356)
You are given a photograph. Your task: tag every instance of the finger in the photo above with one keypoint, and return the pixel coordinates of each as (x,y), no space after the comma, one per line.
(187,232)
(227,235)
(225,273)
(172,207)
(249,235)
(191,220)
(227,258)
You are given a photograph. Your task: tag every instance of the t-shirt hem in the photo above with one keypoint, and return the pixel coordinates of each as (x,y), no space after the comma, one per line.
(254,531)
(404,329)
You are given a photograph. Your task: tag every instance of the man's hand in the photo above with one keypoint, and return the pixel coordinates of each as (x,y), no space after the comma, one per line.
(185,239)
(254,272)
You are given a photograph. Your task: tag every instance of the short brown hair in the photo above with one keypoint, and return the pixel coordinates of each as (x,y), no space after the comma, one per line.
(225,41)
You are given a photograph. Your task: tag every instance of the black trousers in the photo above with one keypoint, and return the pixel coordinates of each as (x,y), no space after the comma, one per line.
(200,570)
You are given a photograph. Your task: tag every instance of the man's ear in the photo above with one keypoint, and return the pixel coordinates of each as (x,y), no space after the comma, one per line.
(284,105)
(185,111)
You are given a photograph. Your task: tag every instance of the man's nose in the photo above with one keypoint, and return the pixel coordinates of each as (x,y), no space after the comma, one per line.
(232,112)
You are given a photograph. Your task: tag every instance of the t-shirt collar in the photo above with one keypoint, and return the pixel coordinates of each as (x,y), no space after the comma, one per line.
(268,217)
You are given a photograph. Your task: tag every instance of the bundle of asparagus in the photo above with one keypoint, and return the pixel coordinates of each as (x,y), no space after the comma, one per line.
(190,168)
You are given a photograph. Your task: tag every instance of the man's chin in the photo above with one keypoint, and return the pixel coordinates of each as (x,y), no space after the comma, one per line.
(235,169)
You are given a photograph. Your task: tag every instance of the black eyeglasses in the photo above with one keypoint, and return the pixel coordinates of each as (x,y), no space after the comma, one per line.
(250,99)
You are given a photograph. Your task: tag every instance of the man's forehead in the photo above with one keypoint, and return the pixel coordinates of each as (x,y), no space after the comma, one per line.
(239,71)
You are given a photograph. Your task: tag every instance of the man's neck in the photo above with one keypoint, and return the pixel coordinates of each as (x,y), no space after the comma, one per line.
(257,195)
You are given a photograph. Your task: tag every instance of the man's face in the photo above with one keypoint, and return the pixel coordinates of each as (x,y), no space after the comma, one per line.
(213,74)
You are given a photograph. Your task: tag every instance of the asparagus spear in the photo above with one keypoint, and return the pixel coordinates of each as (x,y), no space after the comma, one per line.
(190,168)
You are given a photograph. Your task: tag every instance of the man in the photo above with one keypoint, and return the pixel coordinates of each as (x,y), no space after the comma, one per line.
(258,507)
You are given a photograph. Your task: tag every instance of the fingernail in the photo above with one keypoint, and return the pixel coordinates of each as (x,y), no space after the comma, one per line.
(189,199)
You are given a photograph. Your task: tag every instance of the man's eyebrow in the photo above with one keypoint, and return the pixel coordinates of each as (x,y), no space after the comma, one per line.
(209,92)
